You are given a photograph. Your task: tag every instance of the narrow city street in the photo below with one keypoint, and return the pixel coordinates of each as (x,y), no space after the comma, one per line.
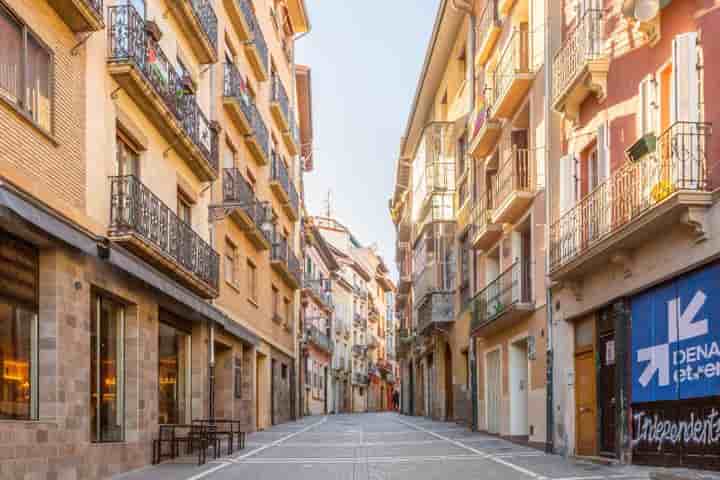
(384,446)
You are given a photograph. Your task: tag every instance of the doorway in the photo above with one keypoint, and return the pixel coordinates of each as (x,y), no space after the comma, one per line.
(518,379)
(606,382)
(585,388)
(449,414)
(261,388)
(493,390)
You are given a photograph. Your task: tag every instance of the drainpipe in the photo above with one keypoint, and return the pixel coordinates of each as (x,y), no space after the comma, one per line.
(549,364)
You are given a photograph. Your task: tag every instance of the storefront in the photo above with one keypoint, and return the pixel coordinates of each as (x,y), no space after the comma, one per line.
(675,365)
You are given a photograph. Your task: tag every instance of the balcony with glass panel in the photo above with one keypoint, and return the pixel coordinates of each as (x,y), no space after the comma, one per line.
(236,99)
(284,261)
(80,15)
(198,20)
(504,302)
(640,201)
(141,68)
(513,186)
(255,218)
(283,187)
(258,141)
(512,77)
(487,32)
(140,221)
(581,65)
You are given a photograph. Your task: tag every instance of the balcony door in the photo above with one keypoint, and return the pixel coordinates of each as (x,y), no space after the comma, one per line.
(127,158)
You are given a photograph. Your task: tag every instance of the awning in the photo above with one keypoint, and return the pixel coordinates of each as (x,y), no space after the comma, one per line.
(120,258)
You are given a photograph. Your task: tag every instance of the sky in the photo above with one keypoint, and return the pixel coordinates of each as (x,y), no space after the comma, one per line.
(365,58)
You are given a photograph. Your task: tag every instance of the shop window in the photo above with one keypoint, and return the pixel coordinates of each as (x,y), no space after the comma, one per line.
(25,70)
(107,413)
(18,331)
(238,377)
(173,372)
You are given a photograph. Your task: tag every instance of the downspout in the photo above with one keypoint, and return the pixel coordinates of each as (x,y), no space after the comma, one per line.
(549,363)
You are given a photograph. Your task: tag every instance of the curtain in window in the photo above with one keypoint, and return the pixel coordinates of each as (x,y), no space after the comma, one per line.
(10,57)
(37,86)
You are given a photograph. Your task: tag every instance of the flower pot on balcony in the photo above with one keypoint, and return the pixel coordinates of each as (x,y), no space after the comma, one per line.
(188,85)
(152,29)
(643,146)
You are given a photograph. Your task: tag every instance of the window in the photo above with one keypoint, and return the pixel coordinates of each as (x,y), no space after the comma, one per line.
(184,209)
(229,157)
(284,371)
(18,331)
(275,303)
(238,377)
(126,158)
(252,280)
(288,311)
(138,4)
(107,413)
(173,373)
(230,263)
(25,70)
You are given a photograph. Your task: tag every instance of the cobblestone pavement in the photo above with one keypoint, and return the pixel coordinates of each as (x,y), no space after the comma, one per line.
(384,446)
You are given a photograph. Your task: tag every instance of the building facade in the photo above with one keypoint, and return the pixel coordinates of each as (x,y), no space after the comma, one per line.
(148,165)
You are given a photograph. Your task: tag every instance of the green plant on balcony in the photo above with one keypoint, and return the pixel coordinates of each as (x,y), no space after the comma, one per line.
(643,146)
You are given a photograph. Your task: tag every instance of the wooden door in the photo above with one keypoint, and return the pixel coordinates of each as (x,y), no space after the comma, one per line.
(606,381)
(493,391)
(585,410)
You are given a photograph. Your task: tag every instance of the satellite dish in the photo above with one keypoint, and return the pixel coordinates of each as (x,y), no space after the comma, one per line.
(646,10)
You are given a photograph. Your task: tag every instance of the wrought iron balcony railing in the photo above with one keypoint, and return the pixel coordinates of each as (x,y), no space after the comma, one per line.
(322,288)
(359,350)
(236,189)
(282,253)
(279,173)
(129,43)
(258,39)
(582,44)
(234,87)
(279,95)
(319,338)
(260,132)
(135,210)
(510,288)
(678,163)
(205,15)
(360,379)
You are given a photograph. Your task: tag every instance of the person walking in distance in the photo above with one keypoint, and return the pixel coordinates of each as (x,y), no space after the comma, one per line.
(396,400)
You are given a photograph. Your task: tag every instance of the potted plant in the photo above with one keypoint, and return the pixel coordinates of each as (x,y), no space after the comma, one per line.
(188,85)
(643,146)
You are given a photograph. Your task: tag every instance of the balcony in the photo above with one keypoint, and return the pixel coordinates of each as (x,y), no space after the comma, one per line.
(405,267)
(140,221)
(284,261)
(320,339)
(141,68)
(80,15)
(436,310)
(359,350)
(360,379)
(236,99)
(321,290)
(512,77)
(279,103)
(641,200)
(291,136)
(372,343)
(503,302)
(198,20)
(581,65)
(259,140)
(242,17)
(433,279)
(359,320)
(284,188)
(488,31)
(255,218)
(486,132)
(256,49)
(513,186)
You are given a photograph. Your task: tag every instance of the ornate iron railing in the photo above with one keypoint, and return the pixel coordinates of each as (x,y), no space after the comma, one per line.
(279,95)
(582,43)
(513,61)
(516,174)
(359,350)
(360,379)
(128,42)
(294,132)
(319,338)
(259,40)
(282,252)
(485,21)
(234,87)
(260,130)
(97,6)
(279,173)
(135,210)
(510,287)
(237,189)
(322,288)
(678,163)
(207,18)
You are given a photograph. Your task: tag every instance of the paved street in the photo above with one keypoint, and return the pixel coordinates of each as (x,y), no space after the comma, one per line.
(384,446)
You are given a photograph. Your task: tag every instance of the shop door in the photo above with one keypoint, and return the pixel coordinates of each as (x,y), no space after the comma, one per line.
(585,410)
(606,381)
(493,391)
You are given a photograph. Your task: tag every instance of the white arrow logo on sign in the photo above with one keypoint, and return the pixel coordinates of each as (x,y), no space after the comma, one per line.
(682,328)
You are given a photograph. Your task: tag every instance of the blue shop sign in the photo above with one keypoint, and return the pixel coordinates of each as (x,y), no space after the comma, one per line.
(676,339)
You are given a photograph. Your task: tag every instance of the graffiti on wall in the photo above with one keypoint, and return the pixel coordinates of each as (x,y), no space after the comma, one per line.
(696,429)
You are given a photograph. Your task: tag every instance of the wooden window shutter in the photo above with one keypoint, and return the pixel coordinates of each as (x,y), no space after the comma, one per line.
(603,149)
(685,79)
